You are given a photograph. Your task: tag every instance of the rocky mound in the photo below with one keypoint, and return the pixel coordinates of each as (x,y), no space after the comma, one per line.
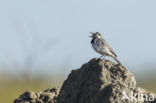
(98,81)
(47,96)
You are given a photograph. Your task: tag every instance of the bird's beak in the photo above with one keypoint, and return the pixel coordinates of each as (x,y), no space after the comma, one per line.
(91,32)
(91,35)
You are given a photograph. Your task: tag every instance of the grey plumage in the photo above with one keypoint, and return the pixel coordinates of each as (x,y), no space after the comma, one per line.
(102,47)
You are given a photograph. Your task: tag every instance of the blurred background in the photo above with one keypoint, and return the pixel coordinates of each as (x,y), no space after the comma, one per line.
(41,41)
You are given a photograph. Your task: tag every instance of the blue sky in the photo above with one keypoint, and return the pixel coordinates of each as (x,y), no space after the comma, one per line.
(61,28)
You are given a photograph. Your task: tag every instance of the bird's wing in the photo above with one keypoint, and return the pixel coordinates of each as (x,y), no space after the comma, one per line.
(101,42)
(111,50)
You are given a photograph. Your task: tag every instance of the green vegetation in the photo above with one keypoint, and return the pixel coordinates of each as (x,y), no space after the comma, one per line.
(12,87)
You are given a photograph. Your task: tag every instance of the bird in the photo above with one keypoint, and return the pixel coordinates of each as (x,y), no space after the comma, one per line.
(102,47)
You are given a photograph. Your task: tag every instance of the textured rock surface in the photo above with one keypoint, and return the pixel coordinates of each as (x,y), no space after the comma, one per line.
(98,81)
(47,96)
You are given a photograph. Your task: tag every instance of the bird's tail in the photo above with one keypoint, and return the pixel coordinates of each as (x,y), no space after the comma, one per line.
(116,59)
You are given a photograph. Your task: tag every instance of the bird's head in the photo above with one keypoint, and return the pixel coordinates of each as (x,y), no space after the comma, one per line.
(95,35)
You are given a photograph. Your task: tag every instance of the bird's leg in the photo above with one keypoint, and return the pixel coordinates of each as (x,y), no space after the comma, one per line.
(104,56)
(100,57)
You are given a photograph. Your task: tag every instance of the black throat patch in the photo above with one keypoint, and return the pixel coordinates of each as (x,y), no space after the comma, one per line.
(92,41)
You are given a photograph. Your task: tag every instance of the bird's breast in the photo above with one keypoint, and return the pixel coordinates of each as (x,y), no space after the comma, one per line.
(101,50)
(95,47)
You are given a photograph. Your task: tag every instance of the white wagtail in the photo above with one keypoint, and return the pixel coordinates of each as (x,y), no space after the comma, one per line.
(102,47)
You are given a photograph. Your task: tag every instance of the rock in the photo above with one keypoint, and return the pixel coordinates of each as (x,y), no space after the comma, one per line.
(98,81)
(47,96)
